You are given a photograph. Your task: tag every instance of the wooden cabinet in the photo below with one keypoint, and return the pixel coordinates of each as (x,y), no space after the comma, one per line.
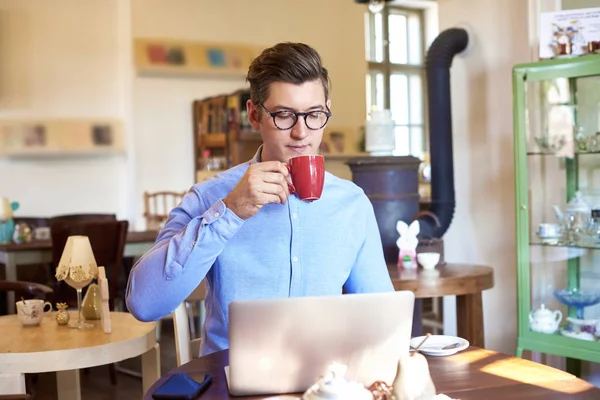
(223,136)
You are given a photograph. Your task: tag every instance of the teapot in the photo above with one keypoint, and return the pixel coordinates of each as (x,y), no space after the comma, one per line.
(544,320)
(576,215)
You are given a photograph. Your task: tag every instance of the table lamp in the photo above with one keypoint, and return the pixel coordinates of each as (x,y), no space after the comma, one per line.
(77,267)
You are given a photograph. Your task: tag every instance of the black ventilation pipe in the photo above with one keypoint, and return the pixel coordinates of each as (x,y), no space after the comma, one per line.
(439,59)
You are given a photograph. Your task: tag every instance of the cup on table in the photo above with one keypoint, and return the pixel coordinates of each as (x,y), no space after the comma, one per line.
(428,260)
(308,176)
(31,312)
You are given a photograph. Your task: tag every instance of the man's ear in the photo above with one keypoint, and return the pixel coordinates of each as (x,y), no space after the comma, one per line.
(328,103)
(252,110)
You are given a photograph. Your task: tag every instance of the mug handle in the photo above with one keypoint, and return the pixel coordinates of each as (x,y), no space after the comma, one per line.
(291,187)
(44,307)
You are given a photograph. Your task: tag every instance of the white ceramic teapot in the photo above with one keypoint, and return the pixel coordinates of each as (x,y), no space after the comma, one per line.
(544,320)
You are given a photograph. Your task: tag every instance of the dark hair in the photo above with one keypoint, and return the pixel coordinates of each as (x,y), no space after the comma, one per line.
(295,63)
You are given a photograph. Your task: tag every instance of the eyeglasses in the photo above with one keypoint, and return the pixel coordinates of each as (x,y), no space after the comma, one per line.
(285,119)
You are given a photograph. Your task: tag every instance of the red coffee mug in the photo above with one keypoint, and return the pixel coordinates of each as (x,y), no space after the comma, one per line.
(308,176)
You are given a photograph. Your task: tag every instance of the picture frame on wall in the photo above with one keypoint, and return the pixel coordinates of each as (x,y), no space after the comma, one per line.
(60,137)
(173,57)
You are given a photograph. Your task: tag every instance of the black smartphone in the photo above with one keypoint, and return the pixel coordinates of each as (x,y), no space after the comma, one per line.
(183,386)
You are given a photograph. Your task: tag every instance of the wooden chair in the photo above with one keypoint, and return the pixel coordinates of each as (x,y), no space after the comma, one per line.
(33,222)
(82,218)
(15,397)
(183,323)
(27,290)
(157,206)
(108,242)
(107,238)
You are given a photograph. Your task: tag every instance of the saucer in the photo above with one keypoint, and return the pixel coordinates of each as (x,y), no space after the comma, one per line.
(433,345)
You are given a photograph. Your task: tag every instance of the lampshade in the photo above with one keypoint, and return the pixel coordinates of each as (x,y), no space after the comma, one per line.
(6,210)
(77,264)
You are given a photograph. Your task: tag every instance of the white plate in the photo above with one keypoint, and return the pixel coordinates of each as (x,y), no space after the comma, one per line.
(433,345)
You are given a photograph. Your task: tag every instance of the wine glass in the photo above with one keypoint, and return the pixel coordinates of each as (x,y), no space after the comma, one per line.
(79,285)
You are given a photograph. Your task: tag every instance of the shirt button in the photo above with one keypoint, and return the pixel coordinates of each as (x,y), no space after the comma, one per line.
(294,215)
(216,214)
(295,259)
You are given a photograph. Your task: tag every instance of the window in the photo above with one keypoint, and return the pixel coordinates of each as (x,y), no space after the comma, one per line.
(395,51)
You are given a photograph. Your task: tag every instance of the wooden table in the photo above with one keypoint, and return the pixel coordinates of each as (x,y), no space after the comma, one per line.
(40,252)
(465,281)
(50,347)
(474,374)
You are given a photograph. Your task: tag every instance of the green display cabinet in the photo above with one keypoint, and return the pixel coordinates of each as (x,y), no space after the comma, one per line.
(557,188)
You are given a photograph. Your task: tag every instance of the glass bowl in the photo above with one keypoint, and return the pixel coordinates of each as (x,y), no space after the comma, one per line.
(577,298)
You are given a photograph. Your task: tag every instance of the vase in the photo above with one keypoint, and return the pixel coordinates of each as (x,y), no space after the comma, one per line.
(92,304)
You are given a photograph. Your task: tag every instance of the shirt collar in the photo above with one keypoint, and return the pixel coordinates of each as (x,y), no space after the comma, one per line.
(257,156)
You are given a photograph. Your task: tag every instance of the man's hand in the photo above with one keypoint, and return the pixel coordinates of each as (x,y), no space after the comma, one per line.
(262,183)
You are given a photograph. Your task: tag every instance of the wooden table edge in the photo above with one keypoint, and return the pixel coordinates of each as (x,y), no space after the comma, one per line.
(434,287)
(68,359)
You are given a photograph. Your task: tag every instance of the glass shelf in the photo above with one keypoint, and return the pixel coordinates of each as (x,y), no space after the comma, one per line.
(540,243)
(544,153)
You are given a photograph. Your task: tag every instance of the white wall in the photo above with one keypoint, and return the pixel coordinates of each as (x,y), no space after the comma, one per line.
(64,59)
(483,228)
(162,106)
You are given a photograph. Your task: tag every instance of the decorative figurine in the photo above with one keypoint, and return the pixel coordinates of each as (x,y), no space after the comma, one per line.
(22,233)
(413,381)
(7,223)
(407,243)
(62,315)
(91,307)
(104,296)
(333,386)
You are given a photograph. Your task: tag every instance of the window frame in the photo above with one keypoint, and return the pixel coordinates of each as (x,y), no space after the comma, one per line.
(387,68)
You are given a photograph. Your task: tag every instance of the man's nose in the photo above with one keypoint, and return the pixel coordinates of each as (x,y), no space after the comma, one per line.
(300,130)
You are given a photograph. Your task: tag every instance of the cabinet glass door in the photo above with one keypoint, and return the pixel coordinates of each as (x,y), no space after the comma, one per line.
(562,120)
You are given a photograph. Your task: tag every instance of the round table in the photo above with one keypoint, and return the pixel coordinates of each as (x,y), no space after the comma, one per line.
(473,374)
(50,347)
(465,281)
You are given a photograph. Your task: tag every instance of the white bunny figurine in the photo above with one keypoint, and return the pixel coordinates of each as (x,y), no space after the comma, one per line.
(407,243)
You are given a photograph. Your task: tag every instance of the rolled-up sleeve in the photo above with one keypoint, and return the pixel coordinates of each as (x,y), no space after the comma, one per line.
(369,273)
(192,239)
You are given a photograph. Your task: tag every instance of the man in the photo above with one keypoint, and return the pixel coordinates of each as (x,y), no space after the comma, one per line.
(242,230)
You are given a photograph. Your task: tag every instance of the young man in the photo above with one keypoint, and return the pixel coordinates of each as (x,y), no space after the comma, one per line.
(242,230)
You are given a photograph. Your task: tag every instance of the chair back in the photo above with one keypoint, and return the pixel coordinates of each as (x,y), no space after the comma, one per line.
(28,290)
(108,243)
(24,396)
(82,218)
(33,222)
(186,348)
(157,206)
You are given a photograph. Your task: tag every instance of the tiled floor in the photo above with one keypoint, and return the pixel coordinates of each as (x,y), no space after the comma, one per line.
(95,383)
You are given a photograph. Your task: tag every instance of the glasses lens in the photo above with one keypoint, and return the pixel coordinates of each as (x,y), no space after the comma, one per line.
(316,119)
(285,120)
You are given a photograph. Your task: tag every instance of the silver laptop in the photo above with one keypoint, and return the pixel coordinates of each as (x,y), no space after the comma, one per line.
(282,345)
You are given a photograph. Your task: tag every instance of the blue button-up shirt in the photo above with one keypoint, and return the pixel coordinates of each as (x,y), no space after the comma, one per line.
(285,250)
